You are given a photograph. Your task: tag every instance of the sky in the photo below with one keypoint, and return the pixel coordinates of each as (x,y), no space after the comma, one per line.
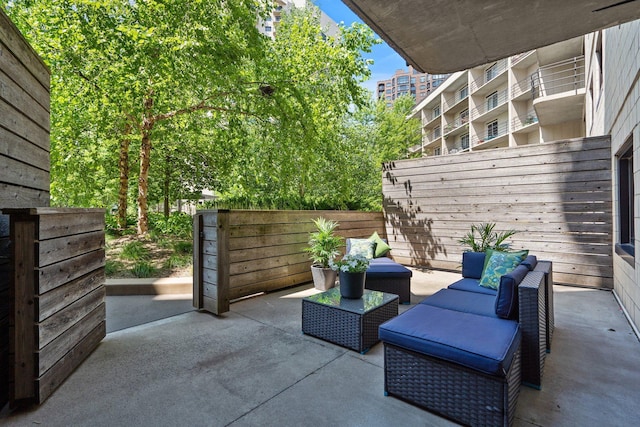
(386,60)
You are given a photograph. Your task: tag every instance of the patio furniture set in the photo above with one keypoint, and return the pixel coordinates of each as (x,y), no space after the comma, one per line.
(464,351)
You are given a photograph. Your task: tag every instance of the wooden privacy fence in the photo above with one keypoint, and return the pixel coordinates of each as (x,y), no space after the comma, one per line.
(243,252)
(558,196)
(58,311)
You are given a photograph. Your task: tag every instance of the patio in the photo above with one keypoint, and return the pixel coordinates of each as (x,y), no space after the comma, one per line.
(253,366)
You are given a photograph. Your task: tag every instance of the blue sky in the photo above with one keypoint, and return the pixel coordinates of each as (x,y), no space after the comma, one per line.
(386,60)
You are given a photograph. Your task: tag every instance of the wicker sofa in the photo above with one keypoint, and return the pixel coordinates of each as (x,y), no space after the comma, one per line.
(386,275)
(464,351)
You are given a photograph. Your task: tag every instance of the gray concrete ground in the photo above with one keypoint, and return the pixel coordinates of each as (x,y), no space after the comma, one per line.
(254,367)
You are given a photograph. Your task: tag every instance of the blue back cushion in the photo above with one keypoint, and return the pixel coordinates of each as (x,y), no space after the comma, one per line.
(530,261)
(471,285)
(506,305)
(472,264)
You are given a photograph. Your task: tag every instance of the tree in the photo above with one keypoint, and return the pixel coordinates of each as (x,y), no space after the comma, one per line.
(151,61)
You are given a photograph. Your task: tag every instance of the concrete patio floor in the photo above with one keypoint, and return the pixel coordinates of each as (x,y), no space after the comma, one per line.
(254,367)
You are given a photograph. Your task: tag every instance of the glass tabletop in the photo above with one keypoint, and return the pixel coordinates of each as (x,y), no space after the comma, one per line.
(369,301)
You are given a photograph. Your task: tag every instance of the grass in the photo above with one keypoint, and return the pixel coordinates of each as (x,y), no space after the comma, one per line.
(129,256)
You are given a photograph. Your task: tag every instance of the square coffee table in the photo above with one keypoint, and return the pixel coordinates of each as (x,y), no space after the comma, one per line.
(351,323)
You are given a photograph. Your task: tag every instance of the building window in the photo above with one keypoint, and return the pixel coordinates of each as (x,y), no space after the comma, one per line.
(436,83)
(463,93)
(491,72)
(422,87)
(464,116)
(423,79)
(413,79)
(492,101)
(437,151)
(626,234)
(267,28)
(403,80)
(437,132)
(436,111)
(388,84)
(464,141)
(492,129)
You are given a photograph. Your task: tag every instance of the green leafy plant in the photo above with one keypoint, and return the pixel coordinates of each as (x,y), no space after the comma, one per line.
(112,267)
(350,264)
(143,269)
(324,245)
(482,237)
(134,251)
(185,248)
(177,261)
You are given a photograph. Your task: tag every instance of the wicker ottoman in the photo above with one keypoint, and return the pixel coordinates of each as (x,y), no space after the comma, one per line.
(351,323)
(463,366)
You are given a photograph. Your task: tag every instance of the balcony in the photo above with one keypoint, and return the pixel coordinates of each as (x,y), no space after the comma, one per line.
(455,100)
(527,122)
(559,91)
(429,117)
(490,104)
(521,90)
(518,60)
(488,76)
(456,127)
(491,138)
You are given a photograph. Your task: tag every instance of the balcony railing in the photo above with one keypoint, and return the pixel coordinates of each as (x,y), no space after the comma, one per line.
(523,86)
(456,124)
(517,58)
(450,102)
(489,74)
(429,117)
(563,76)
(489,104)
(529,119)
(501,130)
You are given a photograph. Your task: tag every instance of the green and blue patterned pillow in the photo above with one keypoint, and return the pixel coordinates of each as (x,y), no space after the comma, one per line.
(364,247)
(498,264)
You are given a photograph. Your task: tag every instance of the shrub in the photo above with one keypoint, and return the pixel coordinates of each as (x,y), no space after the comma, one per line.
(183,247)
(134,251)
(178,224)
(177,261)
(112,267)
(142,269)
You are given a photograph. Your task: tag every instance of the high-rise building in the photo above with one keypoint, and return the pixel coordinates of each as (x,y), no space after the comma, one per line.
(409,82)
(269,25)
(530,98)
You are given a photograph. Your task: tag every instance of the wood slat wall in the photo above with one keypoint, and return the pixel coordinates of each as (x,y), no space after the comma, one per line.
(24,122)
(24,154)
(58,288)
(246,252)
(558,196)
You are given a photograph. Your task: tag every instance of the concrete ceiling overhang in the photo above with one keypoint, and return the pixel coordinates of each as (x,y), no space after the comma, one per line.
(443,36)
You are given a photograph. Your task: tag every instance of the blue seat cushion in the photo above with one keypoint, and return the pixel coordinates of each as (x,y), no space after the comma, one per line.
(483,343)
(385,267)
(471,285)
(472,264)
(467,302)
(506,302)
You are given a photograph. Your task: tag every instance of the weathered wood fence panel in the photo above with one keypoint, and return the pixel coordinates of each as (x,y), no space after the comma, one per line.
(558,196)
(58,293)
(240,253)
(24,155)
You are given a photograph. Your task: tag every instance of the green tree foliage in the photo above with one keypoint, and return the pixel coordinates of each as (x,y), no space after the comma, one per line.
(155,100)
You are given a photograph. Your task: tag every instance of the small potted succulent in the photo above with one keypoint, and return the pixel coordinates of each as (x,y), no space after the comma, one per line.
(323,247)
(352,270)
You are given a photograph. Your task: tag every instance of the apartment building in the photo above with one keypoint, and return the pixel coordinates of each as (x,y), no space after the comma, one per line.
(409,82)
(269,25)
(530,98)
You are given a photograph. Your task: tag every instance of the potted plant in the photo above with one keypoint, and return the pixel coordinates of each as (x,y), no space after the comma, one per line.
(352,270)
(323,247)
(482,237)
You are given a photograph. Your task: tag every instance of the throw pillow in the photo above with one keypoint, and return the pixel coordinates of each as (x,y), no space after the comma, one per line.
(381,246)
(364,247)
(499,264)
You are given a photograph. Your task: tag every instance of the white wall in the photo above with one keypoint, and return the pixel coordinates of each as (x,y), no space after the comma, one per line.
(618,114)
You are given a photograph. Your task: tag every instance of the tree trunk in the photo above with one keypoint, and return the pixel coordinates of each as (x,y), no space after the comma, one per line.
(143,182)
(148,122)
(123,166)
(167,182)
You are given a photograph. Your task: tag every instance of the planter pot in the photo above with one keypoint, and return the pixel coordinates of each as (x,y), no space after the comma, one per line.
(352,284)
(323,278)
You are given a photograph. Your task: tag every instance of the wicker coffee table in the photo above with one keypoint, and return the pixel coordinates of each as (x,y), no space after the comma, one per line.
(351,323)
